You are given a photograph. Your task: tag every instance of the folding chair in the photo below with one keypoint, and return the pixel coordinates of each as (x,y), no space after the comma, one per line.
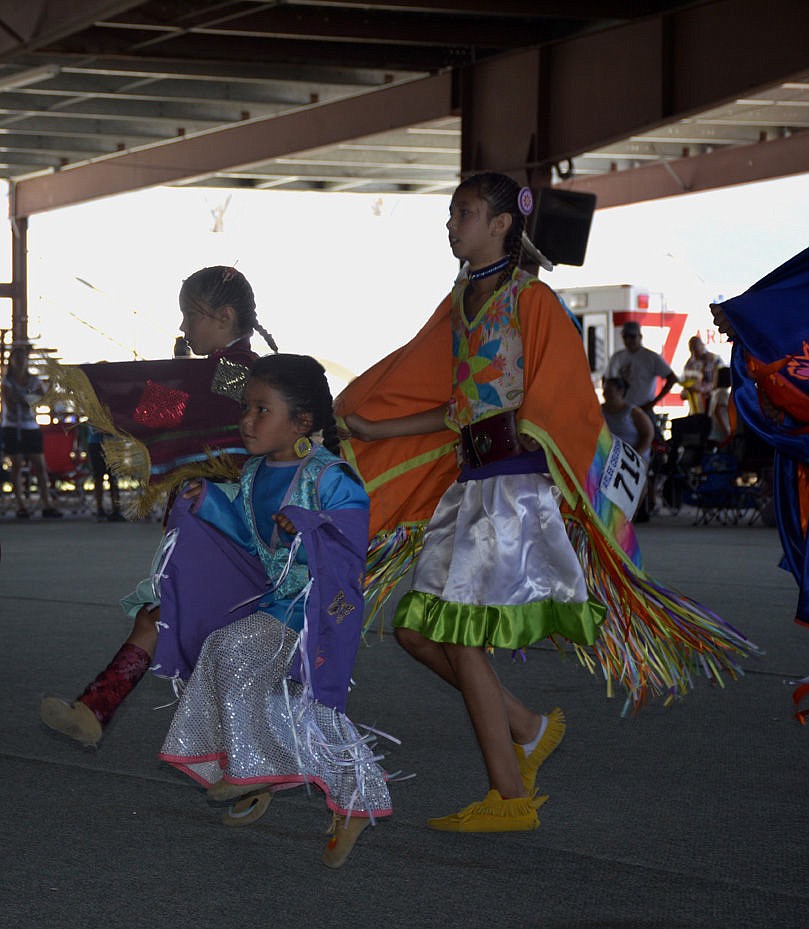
(687,447)
(716,492)
(65,463)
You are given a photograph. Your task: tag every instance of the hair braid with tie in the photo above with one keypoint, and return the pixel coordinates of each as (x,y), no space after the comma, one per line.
(209,289)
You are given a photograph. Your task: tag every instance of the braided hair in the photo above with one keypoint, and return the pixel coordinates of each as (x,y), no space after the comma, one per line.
(209,289)
(301,381)
(501,194)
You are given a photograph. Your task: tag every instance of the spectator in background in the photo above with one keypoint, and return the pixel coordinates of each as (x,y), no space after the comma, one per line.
(699,375)
(633,426)
(181,347)
(625,421)
(640,367)
(22,437)
(718,408)
(101,470)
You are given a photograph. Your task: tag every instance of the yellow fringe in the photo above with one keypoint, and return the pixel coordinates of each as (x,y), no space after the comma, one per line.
(126,456)
(213,468)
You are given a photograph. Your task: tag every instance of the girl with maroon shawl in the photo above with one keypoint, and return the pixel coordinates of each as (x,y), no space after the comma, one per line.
(167,421)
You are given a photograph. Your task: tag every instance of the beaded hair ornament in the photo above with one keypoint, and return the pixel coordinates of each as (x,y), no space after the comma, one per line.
(525,202)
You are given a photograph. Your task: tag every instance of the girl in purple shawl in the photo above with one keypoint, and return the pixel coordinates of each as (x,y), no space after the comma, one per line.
(264,709)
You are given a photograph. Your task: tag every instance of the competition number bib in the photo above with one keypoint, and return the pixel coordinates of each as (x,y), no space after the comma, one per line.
(624,477)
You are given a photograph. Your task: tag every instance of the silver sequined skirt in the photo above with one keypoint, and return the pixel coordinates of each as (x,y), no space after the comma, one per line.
(241,717)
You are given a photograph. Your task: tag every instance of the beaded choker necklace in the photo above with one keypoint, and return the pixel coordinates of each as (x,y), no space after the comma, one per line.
(499,265)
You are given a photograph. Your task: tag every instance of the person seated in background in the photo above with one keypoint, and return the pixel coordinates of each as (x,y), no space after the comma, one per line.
(624,420)
(629,423)
(699,375)
(721,429)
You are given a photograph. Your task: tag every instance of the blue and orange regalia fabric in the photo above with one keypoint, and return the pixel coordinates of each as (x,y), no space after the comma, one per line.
(771,392)
(652,637)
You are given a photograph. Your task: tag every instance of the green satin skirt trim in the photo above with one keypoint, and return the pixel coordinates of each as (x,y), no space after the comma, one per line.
(500,626)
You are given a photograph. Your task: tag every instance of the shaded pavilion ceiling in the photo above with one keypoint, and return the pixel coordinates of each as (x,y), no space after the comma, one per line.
(86,85)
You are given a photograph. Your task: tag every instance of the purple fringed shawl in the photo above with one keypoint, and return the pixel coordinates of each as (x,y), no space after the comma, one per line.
(335,543)
(210,581)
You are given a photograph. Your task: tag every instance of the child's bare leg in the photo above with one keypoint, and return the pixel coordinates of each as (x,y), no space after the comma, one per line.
(16,477)
(41,473)
(523,723)
(85,718)
(144,630)
(486,705)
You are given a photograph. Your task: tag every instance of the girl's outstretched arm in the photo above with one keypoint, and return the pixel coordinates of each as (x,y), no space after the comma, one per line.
(368,430)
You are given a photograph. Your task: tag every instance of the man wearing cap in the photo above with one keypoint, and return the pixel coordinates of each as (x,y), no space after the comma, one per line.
(640,367)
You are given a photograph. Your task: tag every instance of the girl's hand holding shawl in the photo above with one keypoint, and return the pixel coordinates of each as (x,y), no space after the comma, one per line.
(192,490)
(285,524)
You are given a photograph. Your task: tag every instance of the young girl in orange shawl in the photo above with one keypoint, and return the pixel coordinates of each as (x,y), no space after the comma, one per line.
(501,368)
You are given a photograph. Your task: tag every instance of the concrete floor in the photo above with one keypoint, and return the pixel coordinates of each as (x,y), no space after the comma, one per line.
(684,817)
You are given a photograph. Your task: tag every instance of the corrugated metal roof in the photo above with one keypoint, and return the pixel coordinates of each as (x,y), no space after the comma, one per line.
(79,82)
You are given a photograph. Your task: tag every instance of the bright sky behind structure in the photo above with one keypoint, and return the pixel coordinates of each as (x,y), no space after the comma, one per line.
(348,277)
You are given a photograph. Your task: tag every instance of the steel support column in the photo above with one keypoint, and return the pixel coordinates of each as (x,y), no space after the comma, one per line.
(503,127)
(529,110)
(19,280)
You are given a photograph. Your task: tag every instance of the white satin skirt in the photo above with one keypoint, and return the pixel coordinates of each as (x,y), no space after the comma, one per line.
(499,541)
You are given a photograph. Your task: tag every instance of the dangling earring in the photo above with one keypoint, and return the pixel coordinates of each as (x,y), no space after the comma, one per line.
(302,446)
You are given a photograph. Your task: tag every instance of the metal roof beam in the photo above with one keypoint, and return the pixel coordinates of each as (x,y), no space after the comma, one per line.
(38,22)
(583,94)
(141,107)
(608,9)
(106,143)
(240,146)
(606,86)
(349,25)
(725,167)
(158,90)
(398,56)
(109,123)
(217,71)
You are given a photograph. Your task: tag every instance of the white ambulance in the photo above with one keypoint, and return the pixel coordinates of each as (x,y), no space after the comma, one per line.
(602,311)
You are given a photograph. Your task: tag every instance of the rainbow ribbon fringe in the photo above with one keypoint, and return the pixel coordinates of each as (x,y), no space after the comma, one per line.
(652,638)
(391,555)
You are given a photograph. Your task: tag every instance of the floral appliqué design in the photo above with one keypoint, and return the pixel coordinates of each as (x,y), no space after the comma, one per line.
(487,372)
